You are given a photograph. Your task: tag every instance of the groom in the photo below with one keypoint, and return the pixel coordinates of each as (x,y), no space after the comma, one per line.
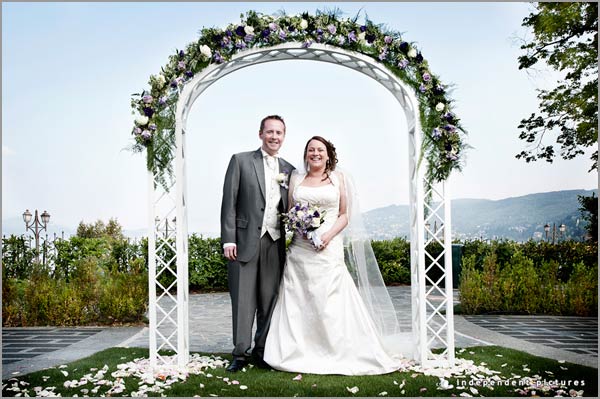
(254,193)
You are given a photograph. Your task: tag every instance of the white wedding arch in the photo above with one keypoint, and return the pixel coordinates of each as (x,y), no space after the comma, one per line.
(430,217)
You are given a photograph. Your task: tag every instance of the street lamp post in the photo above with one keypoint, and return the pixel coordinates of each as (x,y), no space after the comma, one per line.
(561,231)
(36,227)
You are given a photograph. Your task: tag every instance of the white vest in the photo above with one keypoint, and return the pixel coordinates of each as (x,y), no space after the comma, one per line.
(272,198)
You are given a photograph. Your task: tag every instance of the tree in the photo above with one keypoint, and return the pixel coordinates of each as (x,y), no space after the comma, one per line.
(99,229)
(589,212)
(566,39)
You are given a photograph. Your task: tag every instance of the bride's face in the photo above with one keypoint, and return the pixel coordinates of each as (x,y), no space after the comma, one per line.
(316,154)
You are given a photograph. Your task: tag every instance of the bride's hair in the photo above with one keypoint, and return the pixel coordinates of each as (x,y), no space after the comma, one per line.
(331,154)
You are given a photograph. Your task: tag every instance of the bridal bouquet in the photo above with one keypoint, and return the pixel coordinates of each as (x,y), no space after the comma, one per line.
(305,219)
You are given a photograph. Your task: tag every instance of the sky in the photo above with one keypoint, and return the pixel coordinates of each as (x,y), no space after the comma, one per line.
(69,70)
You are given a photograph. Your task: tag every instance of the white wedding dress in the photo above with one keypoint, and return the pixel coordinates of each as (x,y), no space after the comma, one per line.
(320,323)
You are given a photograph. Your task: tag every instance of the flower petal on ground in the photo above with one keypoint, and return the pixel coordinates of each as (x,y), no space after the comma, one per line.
(352,390)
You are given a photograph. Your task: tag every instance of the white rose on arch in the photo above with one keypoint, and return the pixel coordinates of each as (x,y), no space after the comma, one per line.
(141,120)
(205,51)
(249,30)
(412,53)
(440,107)
(361,36)
(303,24)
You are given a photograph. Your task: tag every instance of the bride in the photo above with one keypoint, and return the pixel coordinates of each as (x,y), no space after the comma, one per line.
(324,322)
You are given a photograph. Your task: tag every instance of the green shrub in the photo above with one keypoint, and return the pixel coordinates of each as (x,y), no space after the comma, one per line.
(582,291)
(207,266)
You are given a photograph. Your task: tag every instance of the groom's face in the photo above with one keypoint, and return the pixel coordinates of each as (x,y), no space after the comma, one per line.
(272,136)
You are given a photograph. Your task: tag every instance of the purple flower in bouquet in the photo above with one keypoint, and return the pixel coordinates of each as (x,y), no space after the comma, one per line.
(304,219)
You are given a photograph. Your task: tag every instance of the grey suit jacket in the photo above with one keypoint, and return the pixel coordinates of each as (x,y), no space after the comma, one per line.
(243,205)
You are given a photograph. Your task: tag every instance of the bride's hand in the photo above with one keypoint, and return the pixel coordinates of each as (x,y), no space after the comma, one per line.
(325,239)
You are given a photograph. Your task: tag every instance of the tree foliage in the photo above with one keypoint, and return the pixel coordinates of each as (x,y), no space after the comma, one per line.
(589,211)
(99,229)
(566,39)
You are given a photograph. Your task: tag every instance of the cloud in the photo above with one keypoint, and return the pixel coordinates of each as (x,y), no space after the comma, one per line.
(6,151)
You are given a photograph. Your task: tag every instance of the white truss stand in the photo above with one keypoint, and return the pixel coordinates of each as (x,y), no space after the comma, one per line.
(431,326)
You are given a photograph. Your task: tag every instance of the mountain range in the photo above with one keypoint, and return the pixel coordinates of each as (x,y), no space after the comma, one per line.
(517,218)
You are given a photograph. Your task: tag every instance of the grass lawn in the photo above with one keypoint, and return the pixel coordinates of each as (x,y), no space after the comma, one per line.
(513,365)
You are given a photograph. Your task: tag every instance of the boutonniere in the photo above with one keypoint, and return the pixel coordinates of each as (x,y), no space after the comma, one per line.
(282,179)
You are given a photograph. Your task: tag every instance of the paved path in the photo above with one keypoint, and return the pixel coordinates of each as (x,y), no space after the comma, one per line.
(574,339)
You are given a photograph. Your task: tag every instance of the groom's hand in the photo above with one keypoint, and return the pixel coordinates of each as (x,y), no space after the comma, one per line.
(230,252)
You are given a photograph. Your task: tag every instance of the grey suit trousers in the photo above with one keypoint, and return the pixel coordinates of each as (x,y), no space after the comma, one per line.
(253,287)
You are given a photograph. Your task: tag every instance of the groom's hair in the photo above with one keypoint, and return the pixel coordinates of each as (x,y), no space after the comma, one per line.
(266,118)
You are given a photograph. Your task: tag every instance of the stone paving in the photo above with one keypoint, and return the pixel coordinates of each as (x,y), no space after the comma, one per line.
(19,343)
(574,334)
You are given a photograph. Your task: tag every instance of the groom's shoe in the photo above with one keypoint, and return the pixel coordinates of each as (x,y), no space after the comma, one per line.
(236,365)
(259,362)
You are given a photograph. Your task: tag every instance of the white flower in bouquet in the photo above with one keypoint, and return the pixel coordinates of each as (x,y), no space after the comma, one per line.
(141,120)
(205,51)
(316,223)
(300,214)
(303,24)
(304,219)
(440,107)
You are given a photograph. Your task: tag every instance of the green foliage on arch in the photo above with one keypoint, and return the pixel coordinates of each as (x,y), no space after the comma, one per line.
(154,129)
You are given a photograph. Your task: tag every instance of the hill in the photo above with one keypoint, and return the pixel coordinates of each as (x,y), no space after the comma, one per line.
(518,218)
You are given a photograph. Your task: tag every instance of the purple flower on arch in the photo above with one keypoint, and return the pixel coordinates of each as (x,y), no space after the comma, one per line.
(228,33)
(282,35)
(438,90)
(383,54)
(147,99)
(363,28)
(137,131)
(370,38)
(217,57)
(403,63)
(341,40)
(181,54)
(419,58)
(265,33)
(307,43)
(422,88)
(146,134)
(181,65)
(436,133)
(352,36)
(152,126)
(189,73)
(426,77)
(273,26)
(449,117)
(404,47)
(332,29)
(451,155)
(162,100)
(148,111)
(240,31)
(387,39)
(240,45)
(248,38)
(449,128)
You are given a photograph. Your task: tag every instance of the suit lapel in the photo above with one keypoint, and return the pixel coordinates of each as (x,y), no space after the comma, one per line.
(259,168)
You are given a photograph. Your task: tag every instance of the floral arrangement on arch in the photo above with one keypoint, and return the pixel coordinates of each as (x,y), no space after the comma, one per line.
(154,128)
